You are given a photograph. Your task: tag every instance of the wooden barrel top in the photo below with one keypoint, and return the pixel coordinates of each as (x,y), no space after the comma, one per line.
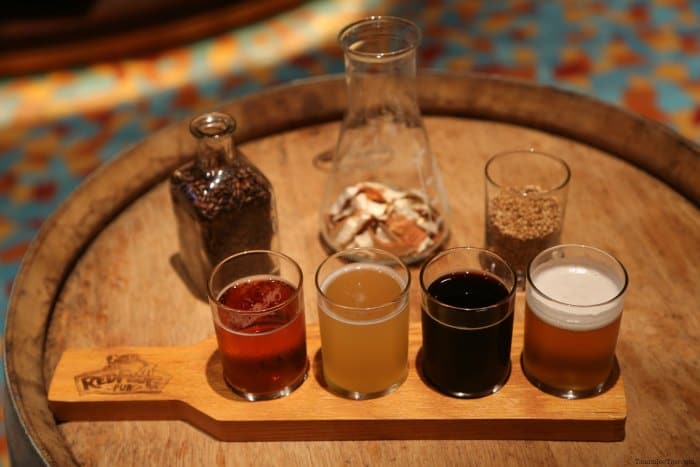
(101,271)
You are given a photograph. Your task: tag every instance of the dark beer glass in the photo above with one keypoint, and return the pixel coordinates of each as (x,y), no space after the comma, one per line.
(468,296)
(574,297)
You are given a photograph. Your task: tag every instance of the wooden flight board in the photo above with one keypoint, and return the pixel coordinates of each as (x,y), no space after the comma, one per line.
(186,383)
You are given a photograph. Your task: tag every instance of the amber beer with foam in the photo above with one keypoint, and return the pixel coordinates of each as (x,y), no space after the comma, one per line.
(573,309)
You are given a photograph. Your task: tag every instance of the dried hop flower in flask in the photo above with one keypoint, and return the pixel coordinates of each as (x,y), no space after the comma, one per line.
(223,203)
(385,188)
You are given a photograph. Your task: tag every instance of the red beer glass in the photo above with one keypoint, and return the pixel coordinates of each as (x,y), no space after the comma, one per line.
(257,305)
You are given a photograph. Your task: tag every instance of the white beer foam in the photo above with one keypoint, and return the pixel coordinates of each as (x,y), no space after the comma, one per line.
(578,296)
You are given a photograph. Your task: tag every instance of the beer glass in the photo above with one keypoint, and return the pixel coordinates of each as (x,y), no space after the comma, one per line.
(573,309)
(257,304)
(363,316)
(468,297)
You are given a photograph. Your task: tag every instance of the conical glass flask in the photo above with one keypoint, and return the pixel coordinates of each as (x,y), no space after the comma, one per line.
(385,188)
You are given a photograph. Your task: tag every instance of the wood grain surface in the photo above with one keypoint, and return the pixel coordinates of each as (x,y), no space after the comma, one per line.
(103,271)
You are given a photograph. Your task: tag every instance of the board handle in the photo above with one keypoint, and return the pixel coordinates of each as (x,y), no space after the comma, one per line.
(121,383)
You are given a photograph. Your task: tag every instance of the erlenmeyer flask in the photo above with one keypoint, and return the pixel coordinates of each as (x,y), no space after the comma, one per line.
(385,188)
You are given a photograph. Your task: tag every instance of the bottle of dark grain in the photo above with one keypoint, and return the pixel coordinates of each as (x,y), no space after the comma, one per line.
(223,203)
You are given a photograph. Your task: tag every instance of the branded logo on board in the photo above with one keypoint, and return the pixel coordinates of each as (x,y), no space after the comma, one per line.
(124,374)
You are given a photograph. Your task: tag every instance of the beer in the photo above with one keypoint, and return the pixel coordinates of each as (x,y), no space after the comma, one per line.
(461,356)
(363,316)
(261,351)
(257,305)
(468,298)
(572,319)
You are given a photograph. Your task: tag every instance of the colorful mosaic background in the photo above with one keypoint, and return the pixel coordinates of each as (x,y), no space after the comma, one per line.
(55,128)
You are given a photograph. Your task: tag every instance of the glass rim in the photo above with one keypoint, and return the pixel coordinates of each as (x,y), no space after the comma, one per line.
(377,20)
(534,151)
(297,288)
(209,119)
(481,309)
(401,295)
(580,246)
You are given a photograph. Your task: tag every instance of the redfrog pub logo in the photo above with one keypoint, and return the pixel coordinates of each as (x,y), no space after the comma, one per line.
(124,374)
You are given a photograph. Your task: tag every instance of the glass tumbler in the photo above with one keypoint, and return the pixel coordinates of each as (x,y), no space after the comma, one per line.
(257,304)
(573,310)
(363,314)
(526,193)
(467,297)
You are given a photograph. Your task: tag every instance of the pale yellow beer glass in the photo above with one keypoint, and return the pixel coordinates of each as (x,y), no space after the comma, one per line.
(363,316)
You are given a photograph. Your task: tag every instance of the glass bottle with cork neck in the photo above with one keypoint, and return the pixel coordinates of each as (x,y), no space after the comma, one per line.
(385,189)
(223,203)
